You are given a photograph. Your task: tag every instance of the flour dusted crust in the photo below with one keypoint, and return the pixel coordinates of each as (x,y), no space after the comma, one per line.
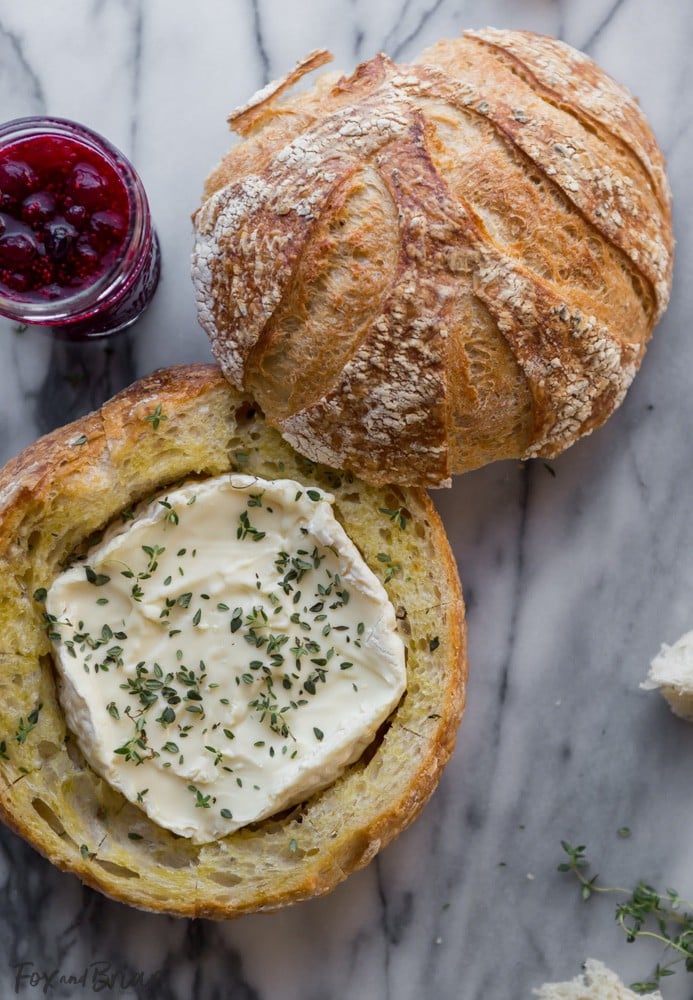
(54,497)
(419,269)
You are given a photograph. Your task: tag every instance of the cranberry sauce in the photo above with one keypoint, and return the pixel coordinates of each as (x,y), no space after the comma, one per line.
(63,218)
(77,250)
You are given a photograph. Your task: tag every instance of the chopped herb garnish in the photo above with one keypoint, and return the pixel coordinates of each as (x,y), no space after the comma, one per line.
(396,515)
(156,417)
(247,530)
(24,728)
(97,579)
(392,567)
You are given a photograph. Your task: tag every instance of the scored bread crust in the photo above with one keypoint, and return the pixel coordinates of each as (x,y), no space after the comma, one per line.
(55,497)
(420,269)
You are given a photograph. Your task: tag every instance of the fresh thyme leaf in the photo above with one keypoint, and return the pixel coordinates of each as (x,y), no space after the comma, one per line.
(98,579)
(201,801)
(643,912)
(246,529)
(24,728)
(392,567)
(396,515)
(156,417)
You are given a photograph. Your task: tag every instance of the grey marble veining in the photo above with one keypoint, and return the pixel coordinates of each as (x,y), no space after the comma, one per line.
(574,571)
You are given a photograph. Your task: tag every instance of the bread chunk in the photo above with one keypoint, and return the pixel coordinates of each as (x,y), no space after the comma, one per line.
(597,983)
(671,673)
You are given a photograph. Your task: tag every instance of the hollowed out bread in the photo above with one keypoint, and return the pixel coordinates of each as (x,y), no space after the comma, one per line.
(420,269)
(69,485)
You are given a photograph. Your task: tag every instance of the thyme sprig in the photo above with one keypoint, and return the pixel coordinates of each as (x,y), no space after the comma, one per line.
(644,912)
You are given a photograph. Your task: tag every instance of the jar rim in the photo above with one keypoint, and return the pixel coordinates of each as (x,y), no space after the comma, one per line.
(116,280)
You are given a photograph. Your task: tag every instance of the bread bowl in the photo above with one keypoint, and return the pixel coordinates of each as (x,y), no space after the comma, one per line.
(418,269)
(70,484)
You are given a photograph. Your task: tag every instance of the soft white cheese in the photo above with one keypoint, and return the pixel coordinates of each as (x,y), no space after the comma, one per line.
(225,654)
(671,672)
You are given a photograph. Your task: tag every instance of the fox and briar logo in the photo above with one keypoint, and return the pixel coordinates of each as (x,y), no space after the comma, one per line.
(98,977)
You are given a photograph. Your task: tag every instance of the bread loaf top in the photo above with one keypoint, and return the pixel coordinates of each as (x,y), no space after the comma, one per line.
(419,269)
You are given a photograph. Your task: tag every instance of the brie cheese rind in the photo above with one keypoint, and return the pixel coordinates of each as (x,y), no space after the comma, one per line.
(225,654)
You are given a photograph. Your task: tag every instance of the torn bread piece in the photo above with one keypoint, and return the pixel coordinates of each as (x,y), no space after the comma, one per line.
(671,673)
(597,982)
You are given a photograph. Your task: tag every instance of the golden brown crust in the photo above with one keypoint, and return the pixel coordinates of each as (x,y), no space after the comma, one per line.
(419,269)
(584,90)
(244,119)
(70,484)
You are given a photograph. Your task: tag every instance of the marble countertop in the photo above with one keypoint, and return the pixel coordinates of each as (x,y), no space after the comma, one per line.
(574,571)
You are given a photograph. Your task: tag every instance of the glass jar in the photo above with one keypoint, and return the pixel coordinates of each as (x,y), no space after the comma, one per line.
(78,251)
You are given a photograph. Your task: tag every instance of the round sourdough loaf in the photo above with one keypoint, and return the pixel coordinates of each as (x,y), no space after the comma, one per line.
(420,269)
(68,486)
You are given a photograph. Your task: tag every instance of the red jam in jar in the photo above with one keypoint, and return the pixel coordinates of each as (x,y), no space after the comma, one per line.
(78,251)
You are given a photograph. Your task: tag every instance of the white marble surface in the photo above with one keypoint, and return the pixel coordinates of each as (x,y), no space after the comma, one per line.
(573,574)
